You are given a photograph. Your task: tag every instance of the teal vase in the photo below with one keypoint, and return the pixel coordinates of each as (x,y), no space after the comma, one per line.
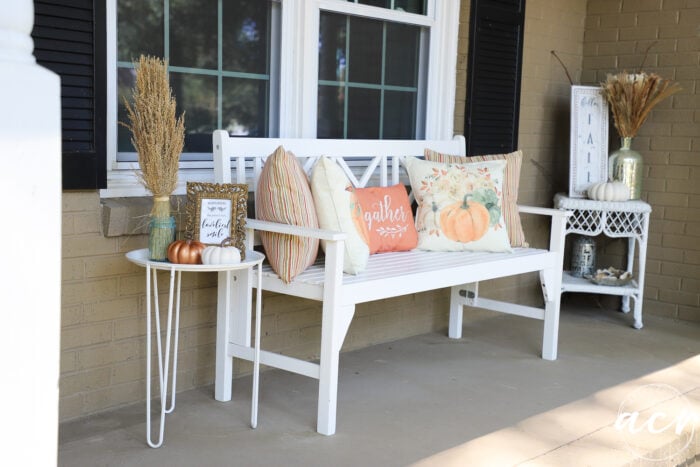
(625,165)
(161,233)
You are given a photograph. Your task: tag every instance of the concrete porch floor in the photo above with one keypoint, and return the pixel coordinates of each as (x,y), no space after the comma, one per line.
(405,401)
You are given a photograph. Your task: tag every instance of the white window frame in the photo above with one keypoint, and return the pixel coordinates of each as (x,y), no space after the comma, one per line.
(298,79)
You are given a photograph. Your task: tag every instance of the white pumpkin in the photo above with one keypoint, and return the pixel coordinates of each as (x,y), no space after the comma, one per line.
(224,254)
(609,191)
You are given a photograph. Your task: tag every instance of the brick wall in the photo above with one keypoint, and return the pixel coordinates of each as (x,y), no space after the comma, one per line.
(545,92)
(618,33)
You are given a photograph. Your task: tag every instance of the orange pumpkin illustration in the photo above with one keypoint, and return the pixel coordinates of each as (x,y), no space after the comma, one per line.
(464,221)
(357,217)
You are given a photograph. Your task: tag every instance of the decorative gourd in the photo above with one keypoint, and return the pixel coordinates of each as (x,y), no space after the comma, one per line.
(609,191)
(185,252)
(464,221)
(226,253)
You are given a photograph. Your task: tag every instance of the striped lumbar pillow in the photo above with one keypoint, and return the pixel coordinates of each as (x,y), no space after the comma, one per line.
(514,162)
(283,195)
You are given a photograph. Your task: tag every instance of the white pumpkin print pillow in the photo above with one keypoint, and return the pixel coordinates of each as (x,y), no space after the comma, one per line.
(459,205)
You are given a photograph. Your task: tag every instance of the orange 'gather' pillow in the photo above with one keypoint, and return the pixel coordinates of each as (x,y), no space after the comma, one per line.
(387,212)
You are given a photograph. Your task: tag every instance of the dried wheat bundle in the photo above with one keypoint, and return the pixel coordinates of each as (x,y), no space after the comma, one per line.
(156,133)
(632,96)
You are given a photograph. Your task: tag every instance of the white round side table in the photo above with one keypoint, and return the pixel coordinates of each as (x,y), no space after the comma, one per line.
(140,257)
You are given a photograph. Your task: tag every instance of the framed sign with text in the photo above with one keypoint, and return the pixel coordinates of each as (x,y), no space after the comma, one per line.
(588,149)
(216,211)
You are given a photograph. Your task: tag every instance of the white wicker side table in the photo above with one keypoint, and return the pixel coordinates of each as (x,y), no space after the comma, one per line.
(628,219)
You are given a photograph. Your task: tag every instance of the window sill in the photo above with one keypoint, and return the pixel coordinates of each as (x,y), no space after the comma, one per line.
(130,216)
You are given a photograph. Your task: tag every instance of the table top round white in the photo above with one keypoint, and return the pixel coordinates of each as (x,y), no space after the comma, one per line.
(140,257)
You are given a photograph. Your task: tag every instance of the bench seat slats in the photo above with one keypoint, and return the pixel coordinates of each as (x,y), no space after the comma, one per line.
(387,268)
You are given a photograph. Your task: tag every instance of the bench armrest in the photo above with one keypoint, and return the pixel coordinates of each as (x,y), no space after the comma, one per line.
(557,233)
(333,265)
(543,211)
(321,234)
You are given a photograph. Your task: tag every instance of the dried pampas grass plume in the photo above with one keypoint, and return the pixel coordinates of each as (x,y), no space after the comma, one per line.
(156,133)
(632,96)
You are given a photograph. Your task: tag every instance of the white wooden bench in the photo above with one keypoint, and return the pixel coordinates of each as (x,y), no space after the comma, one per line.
(239,160)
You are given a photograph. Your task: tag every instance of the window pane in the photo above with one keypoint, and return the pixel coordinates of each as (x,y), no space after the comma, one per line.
(379,3)
(126,79)
(231,90)
(139,29)
(411,6)
(402,45)
(331,47)
(246,36)
(363,113)
(331,109)
(196,95)
(365,64)
(382,64)
(399,115)
(193,33)
(244,106)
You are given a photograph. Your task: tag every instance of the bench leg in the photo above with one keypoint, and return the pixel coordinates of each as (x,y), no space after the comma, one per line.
(333,329)
(551,330)
(460,296)
(232,325)
(552,295)
(456,314)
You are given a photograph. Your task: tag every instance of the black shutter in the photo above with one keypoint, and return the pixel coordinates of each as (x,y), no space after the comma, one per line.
(69,39)
(493,82)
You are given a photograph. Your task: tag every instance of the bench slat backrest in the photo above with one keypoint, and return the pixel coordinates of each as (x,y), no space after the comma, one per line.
(366,162)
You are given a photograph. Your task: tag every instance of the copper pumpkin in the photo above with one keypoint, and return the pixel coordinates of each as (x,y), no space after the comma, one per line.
(185,252)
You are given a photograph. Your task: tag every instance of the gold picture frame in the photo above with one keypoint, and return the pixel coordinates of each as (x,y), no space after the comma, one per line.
(216,211)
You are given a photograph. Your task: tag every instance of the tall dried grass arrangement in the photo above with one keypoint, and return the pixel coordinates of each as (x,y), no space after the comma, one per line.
(632,96)
(156,133)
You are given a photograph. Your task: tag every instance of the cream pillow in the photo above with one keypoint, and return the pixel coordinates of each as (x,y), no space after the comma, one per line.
(459,205)
(337,209)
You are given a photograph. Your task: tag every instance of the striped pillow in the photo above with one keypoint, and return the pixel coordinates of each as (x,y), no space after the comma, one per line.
(283,195)
(514,162)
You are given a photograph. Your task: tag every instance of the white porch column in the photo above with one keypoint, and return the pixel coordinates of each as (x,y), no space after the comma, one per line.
(30,287)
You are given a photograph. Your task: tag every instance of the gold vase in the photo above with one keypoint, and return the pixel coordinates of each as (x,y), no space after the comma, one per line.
(626,165)
(161,229)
